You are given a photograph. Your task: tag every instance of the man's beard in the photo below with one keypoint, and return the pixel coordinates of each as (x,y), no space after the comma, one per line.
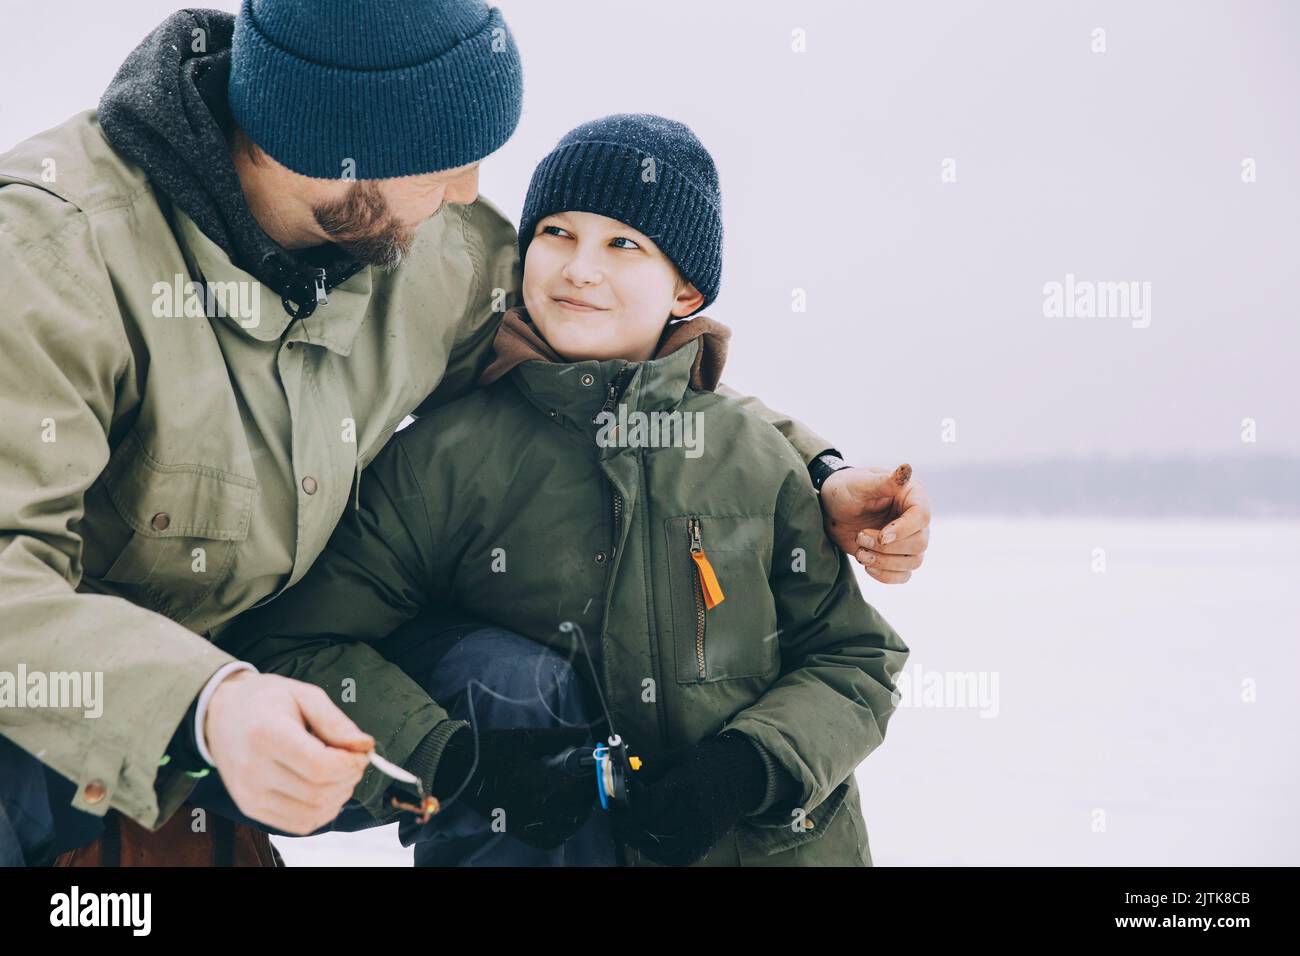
(362,225)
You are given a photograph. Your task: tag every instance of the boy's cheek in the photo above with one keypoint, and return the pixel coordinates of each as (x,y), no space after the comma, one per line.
(535,275)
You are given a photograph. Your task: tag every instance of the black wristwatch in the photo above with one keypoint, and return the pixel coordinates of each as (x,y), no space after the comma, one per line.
(825,465)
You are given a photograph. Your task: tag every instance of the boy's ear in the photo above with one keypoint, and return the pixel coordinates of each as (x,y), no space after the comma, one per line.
(688,299)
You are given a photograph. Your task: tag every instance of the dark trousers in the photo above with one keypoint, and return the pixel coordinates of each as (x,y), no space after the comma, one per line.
(489,676)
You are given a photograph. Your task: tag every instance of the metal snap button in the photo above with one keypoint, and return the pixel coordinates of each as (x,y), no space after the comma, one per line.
(161,521)
(588,378)
(600,557)
(95,791)
(309,485)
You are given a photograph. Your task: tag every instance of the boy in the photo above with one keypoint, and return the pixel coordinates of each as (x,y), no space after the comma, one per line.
(599,497)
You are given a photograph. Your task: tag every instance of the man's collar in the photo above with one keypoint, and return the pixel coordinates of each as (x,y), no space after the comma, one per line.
(334,324)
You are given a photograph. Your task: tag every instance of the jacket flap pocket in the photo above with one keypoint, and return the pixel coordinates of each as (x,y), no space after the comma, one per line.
(782,830)
(723,611)
(177,501)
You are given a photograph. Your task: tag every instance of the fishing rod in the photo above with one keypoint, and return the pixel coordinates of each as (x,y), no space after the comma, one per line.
(609,763)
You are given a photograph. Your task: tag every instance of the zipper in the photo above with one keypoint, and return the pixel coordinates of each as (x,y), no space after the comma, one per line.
(704,586)
(612,389)
(618,523)
(314,281)
(697,547)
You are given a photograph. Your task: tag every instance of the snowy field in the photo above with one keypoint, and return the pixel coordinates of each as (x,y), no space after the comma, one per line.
(1144,714)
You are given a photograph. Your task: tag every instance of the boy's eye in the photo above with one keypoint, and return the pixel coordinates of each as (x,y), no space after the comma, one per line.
(553,231)
(630,243)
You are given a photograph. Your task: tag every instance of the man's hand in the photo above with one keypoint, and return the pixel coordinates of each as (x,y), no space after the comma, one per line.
(287,755)
(881,518)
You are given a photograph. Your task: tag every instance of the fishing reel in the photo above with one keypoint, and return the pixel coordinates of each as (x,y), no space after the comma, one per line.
(610,765)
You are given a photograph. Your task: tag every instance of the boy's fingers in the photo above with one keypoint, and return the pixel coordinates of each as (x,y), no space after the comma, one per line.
(654,764)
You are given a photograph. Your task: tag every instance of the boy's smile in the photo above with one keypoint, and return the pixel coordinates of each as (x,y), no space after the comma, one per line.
(577,304)
(598,289)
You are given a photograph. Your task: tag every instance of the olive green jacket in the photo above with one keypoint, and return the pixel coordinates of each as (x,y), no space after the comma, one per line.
(166,463)
(510,503)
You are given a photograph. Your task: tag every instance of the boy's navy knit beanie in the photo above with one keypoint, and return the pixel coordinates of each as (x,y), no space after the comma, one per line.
(399,87)
(644,170)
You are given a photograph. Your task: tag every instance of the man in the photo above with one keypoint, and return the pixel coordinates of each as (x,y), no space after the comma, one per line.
(224,291)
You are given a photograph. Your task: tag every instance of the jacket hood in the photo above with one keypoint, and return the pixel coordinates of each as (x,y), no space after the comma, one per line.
(518,340)
(166,110)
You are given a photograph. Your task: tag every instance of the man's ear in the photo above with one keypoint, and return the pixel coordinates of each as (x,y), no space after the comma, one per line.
(688,299)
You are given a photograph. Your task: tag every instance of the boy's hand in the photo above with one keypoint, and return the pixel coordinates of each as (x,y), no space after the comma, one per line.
(691,799)
(880,518)
(543,805)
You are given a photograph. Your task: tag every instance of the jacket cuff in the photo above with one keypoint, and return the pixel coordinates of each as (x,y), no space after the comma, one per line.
(424,760)
(780,785)
(196,721)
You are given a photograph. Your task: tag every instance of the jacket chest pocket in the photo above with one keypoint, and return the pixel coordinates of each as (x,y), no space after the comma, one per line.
(724,617)
(186,522)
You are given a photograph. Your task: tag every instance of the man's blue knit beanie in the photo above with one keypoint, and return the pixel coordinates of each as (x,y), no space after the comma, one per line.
(399,87)
(644,170)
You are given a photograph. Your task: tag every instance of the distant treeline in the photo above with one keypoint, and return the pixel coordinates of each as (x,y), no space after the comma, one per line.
(1249,486)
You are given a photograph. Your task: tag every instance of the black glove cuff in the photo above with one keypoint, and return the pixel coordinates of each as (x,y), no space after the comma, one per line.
(736,759)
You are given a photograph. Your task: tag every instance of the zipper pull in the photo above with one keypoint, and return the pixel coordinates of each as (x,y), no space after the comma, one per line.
(709,585)
(612,388)
(319,278)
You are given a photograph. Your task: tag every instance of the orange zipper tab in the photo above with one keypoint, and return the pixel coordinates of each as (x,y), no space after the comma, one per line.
(713,595)
(709,586)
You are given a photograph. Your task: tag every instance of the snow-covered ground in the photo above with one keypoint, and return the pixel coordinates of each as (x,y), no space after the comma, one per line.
(1144,714)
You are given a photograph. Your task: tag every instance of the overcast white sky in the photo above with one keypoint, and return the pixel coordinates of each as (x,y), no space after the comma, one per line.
(925,298)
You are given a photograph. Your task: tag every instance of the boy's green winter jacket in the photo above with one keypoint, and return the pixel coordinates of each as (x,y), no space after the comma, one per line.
(506,503)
